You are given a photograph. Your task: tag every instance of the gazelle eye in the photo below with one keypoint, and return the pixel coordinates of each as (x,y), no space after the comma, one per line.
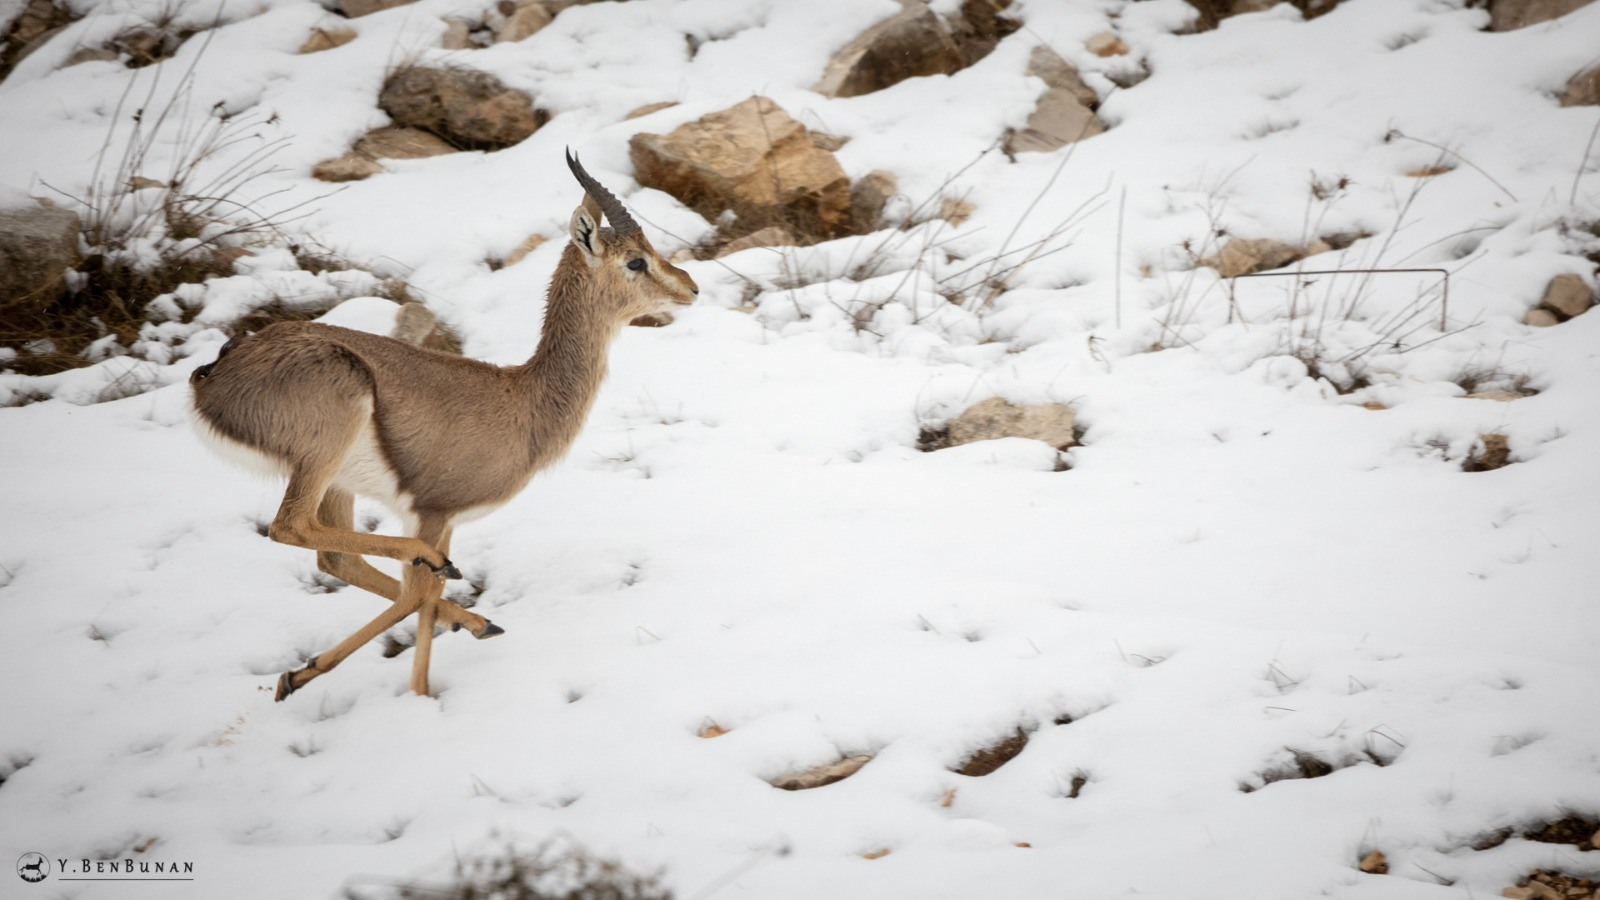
(638,265)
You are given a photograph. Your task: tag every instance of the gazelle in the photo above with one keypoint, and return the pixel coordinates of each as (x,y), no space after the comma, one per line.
(439,439)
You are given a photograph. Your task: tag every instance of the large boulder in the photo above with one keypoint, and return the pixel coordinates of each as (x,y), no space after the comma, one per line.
(1509,15)
(995,418)
(753,159)
(909,43)
(38,245)
(470,109)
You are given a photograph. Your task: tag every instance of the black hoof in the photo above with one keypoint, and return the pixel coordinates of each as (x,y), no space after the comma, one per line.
(448,570)
(489,631)
(286,686)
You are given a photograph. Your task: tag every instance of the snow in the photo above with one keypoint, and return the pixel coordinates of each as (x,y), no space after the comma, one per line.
(1241,561)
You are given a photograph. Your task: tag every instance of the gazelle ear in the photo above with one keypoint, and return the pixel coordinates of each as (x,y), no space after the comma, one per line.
(585,230)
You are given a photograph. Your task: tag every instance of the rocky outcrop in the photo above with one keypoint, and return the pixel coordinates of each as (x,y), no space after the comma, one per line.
(1566,295)
(38,245)
(754,160)
(995,418)
(1509,15)
(1063,114)
(471,110)
(383,143)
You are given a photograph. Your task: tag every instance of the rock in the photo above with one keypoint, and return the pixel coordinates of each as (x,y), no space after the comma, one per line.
(640,112)
(995,418)
(472,110)
(523,22)
(1500,396)
(1056,72)
(879,853)
(38,22)
(1540,318)
(955,210)
(413,323)
(146,46)
(327,39)
(908,44)
(1374,863)
(457,35)
(1106,44)
(520,252)
(382,143)
(752,159)
(1583,89)
(38,244)
(1567,295)
(771,236)
(1509,15)
(828,142)
(1493,452)
(979,26)
(819,776)
(1063,114)
(357,8)
(349,167)
(868,196)
(1242,256)
(91,54)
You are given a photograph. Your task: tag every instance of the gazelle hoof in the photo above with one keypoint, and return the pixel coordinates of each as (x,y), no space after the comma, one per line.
(448,570)
(286,686)
(489,631)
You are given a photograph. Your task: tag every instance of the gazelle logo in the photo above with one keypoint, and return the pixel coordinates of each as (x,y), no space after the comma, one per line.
(33,867)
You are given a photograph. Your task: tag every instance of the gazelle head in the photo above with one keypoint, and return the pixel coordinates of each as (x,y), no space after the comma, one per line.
(628,272)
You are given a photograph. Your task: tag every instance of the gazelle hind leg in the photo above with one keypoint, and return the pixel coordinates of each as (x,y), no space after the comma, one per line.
(337,512)
(422,654)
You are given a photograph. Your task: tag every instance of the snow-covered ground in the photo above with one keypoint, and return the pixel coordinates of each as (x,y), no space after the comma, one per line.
(1241,561)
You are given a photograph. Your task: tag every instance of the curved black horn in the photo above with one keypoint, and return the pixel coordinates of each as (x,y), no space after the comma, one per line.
(621,222)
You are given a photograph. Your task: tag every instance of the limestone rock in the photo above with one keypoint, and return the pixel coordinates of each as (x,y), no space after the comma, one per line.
(1106,44)
(995,418)
(38,244)
(413,323)
(1499,396)
(357,8)
(770,236)
(90,54)
(1540,318)
(1056,72)
(753,159)
(979,26)
(640,112)
(1567,295)
(457,35)
(39,21)
(1063,114)
(525,20)
(1583,89)
(1508,15)
(909,43)
(869,195)
(1493,451)
(955,210)
(382,143)
(472,110)
(1241,256)
(327,39)
(820,776)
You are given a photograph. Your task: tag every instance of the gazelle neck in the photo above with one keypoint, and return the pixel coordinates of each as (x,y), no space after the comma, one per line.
(564,376)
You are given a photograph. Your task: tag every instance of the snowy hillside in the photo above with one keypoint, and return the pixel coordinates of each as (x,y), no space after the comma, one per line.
(1293,597)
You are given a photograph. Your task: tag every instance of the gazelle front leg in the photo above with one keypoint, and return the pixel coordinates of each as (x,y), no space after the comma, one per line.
(422,653)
